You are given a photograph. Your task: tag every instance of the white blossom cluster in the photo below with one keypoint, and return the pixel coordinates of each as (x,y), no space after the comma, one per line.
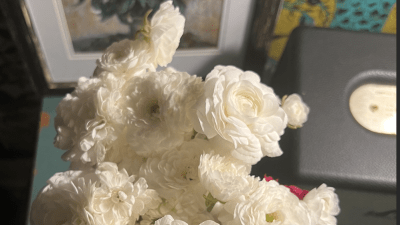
(166,148)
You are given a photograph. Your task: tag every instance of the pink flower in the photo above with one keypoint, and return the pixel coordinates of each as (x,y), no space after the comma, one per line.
(297,191)
(300,193)
(269,178)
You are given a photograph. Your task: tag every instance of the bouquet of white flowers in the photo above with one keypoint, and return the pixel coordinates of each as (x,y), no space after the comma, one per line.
(164,147)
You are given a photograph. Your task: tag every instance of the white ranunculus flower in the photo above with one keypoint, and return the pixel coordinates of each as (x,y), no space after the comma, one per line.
(224,148)
(121,153)
(324,204)
(190,205)
(270,203)
(157,107)
(120,149)
(296,110)
(225,178)
(243,111)
(203,218)
(72,112)
(153,215)
(65,200)
(126,57)
(105,128)
(89,120)
(176,170)
(170,69)
(118,198)
(165,208)
(132,164)
(209,222)
(164,33)
(169,220)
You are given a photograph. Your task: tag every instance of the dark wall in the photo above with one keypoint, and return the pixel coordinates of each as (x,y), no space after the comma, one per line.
(19,122)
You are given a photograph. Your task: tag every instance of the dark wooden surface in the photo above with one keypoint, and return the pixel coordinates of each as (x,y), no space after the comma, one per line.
(20,107)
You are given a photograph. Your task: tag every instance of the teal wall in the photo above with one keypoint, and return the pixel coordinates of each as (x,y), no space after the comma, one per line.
(48,158)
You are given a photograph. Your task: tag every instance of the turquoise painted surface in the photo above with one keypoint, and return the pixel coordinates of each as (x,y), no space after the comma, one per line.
(48,158)
(362,15)
(306,20)
(355,15)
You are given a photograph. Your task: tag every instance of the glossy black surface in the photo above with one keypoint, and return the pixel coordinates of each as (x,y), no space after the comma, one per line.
(324,67)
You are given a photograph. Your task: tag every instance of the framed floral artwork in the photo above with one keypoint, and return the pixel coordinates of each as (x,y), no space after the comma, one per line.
(90,26)
(72,34)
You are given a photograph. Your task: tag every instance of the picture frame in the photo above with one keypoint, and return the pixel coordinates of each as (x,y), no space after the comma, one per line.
(61,69)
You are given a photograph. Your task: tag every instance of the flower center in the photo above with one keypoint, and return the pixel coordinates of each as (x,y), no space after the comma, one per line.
(119,55)
(274,216)
(189,173)
(154,109)
(118,196)
(247,104)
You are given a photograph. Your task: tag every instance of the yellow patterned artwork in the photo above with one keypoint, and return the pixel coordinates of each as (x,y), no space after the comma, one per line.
(320,12)
(356,15)
(390,24)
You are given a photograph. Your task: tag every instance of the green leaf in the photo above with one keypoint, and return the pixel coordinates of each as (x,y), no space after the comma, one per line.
(125,6)
(210,201)
(181,5)
(137,12)
(96,4)
(143,3)
(123,18)
(153,3)
(107,11)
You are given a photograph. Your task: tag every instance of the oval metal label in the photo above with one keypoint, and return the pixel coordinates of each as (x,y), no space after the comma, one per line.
(373,106)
